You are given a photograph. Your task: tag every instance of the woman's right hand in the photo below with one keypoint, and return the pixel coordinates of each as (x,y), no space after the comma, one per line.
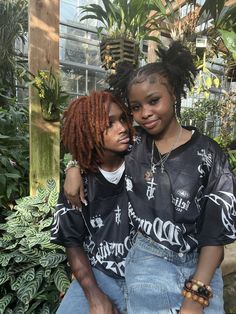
(74,188)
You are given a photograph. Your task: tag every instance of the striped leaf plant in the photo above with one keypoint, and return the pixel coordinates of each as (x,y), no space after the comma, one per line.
(33,271)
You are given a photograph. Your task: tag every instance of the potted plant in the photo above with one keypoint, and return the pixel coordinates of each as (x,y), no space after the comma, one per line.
(125,23)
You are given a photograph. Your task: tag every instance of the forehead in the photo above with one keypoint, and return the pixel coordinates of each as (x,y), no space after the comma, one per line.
(146,84)
(114,109)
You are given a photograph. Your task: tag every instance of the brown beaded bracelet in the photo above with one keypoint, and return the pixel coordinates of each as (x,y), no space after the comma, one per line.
(197,291)
(201,284)
(200,289)
(190,295)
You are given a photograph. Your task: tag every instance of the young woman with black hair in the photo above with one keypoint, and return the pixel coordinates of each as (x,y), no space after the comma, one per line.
(182,195)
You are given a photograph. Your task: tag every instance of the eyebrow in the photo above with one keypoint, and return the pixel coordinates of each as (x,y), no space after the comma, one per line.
(148,96)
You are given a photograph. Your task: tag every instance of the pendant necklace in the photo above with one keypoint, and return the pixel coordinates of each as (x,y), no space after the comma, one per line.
(148,175)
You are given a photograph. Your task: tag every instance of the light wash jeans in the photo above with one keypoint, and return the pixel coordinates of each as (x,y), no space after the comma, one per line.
(75,302)
(155,277)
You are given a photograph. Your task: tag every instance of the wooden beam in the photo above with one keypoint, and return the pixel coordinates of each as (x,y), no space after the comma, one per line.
(43,55)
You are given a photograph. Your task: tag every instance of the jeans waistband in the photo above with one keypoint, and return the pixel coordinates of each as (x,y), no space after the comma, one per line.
(149,245)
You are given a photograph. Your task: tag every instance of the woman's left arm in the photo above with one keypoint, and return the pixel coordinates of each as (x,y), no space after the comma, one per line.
(210,258)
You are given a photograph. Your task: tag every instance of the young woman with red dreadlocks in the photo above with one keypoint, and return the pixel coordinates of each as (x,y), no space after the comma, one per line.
(182,195)
(97,132)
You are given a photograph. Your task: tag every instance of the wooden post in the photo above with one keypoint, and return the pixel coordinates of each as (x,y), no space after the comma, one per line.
(43,55)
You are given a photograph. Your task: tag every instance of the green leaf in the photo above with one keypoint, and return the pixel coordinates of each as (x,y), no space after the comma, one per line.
(4,302)
(12,175)
(29,275)
(15,285)
(52,259)
(61,279)
(229,39)
(26,293)
(21,308)
(53,197)
(45,309)
(45,223)
(4,276)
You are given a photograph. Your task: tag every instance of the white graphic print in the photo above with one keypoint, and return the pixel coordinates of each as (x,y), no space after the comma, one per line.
(96,222)
(198,197)
(180,203)
(228,210)
(137,139)
(206,161)
(150,189)
(117,215)
(129,184)
(165,231)
(107,249)
(56,221)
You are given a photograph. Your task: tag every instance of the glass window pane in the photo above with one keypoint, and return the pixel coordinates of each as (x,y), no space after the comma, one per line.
(93,55)
(74,51)
(69,11)
(65,29)
(73,80)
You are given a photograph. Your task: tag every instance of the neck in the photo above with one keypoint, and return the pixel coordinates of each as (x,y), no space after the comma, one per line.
(169,139)
(169,132)
(112,162)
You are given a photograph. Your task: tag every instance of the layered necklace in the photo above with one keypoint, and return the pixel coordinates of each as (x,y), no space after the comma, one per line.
(148,175)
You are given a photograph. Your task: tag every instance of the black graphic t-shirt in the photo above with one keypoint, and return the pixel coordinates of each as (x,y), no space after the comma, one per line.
(103,228)
(191,204)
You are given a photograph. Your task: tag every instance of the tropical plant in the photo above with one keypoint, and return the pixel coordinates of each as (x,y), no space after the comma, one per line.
(200,113)
(51,95)
(123,18)
(33,270)
(14,152)
(232,160)
(13,25)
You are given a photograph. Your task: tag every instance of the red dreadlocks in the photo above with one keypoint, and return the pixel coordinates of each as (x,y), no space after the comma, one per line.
(85,121)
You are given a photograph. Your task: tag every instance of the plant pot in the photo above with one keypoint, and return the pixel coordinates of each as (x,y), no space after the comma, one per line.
(113,51)
(50,113)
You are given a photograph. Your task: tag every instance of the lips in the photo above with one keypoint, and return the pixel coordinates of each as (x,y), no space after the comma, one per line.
(150,124)
(124,140)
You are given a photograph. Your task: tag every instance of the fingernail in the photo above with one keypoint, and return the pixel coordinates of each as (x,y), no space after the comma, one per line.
(85,203)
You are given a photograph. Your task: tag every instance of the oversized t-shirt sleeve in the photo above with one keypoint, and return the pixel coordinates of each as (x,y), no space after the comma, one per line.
(217,223)
(68,228)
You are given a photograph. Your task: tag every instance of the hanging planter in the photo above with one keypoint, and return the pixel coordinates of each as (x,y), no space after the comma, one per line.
(125,24)
(113,51)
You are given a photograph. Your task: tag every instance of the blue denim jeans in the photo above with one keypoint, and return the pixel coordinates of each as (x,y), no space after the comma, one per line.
(75,301)
(155,277)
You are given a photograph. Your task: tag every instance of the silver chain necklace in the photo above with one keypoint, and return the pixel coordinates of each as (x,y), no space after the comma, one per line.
(148,175)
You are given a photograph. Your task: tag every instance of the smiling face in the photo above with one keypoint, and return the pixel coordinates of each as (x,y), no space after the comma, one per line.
(116,137)
(152,104)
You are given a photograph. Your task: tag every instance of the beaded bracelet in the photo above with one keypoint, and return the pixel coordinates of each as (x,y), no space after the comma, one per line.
(70,164)
(197,291)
